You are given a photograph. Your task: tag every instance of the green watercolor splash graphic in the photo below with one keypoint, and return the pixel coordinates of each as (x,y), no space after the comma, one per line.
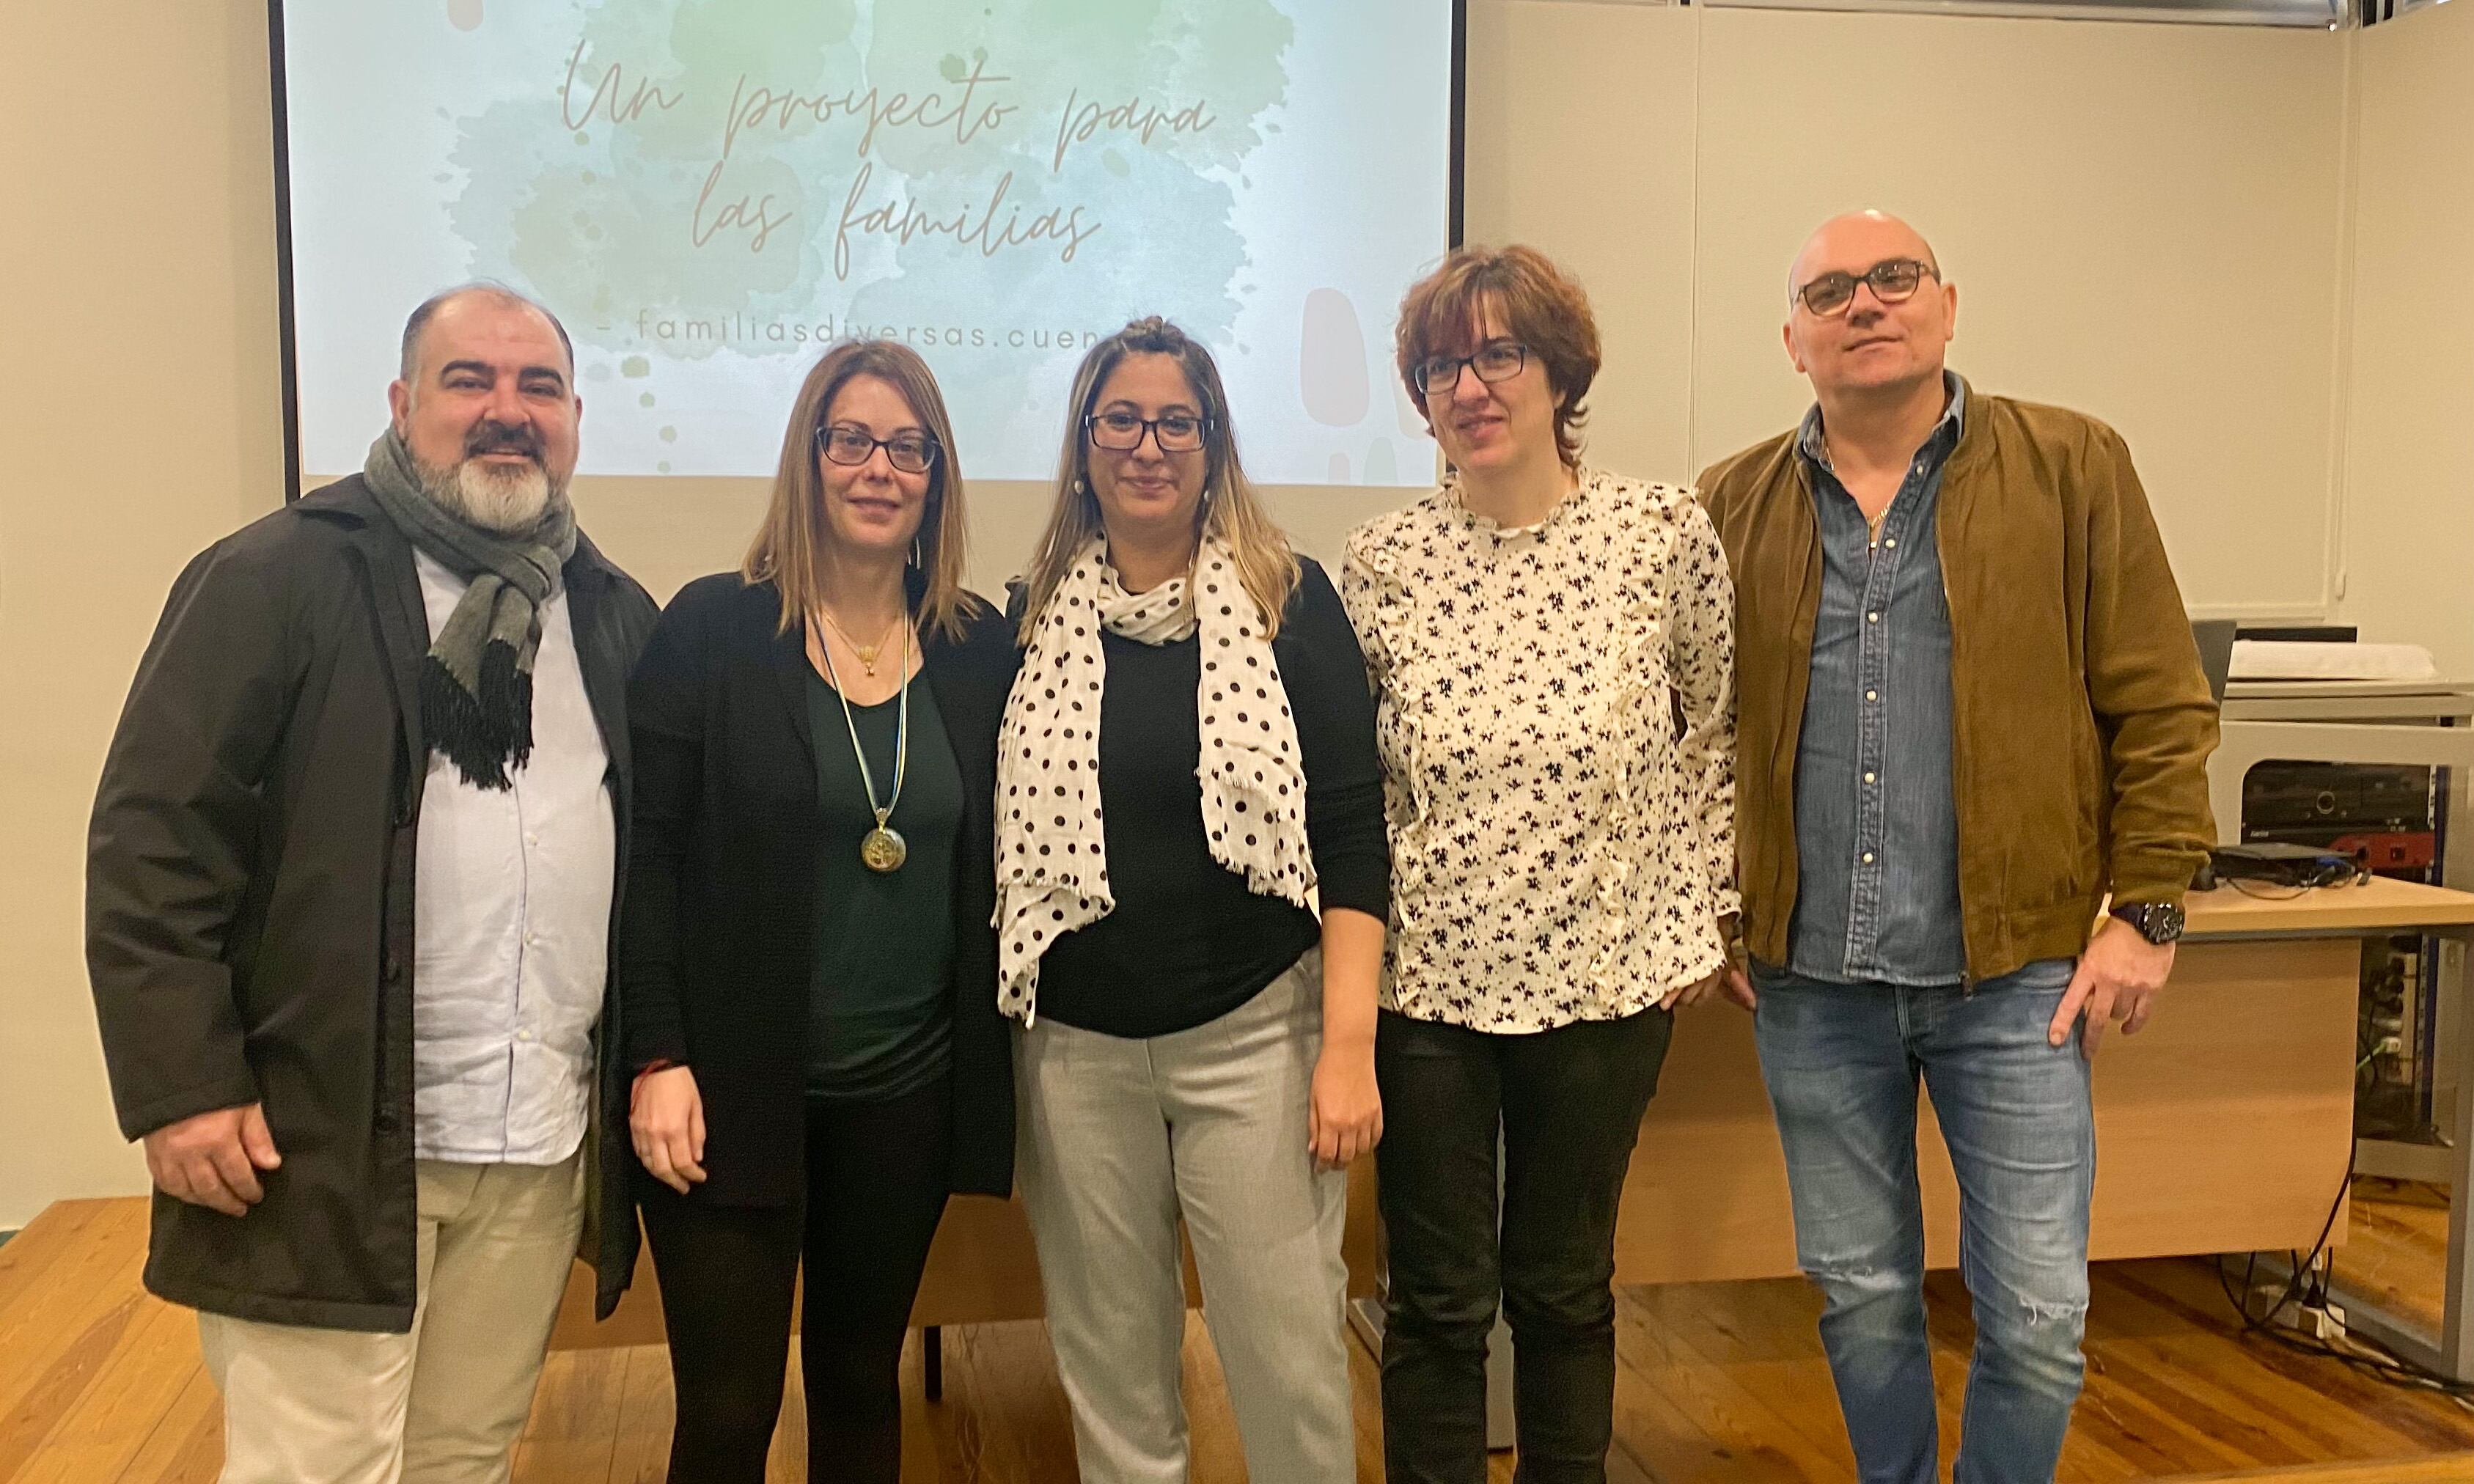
(599,219)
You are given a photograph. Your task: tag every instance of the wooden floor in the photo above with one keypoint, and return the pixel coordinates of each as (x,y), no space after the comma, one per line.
(2456,1468)
(1716,1382)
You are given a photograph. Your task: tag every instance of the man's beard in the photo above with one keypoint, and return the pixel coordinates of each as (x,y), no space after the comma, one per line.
(490,498)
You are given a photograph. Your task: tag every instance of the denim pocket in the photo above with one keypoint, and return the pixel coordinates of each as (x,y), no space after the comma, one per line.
(2045,976)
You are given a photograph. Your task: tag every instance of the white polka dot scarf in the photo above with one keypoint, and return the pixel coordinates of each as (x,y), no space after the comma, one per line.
(1052,852)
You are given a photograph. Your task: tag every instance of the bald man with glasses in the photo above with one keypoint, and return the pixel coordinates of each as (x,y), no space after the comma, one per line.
(1971,718)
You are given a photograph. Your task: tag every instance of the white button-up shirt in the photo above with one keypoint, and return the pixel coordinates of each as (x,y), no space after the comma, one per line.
(511,923)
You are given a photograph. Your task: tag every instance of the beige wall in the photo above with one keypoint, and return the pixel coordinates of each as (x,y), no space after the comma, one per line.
(2146,219)
(1580,141)
(138,422)
(2142,221)
(2409,533)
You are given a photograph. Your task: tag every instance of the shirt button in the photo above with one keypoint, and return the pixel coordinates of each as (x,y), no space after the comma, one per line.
(1872,695)
(1868,858)
(532,839)
(531,938)
(526,1035)
(1873,618)
(1892,542)
(1868,778)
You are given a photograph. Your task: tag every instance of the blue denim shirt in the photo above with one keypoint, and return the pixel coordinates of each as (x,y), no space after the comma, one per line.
(1877,826)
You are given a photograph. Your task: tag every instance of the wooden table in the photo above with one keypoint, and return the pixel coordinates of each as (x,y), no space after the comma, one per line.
(2224,1126)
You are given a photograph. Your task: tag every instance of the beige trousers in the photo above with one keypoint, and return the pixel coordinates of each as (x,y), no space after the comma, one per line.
(1119,1139)
(442,1404)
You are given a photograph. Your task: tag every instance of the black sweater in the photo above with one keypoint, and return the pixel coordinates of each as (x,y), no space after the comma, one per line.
(1188,941)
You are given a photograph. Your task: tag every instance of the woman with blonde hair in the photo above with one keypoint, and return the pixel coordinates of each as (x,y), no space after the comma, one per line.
(1191,890)
(807,967)
(1552,647)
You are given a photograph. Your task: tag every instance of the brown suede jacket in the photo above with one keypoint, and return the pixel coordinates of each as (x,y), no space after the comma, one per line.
(2082,720)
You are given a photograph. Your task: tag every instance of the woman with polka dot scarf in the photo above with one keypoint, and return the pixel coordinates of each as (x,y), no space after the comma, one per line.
(1192,882)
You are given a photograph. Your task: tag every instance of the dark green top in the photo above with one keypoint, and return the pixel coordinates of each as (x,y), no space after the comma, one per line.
(879,1022)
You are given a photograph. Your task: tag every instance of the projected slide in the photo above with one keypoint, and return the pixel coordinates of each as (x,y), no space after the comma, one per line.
(709,192)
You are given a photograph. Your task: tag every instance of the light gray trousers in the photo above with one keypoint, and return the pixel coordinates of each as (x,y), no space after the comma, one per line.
(1118,1138)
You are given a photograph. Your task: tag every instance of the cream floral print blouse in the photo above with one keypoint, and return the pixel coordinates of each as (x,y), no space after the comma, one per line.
(1555,708)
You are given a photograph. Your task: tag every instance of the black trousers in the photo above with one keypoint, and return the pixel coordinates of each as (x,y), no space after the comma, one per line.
(1567,1103)
(876,1190)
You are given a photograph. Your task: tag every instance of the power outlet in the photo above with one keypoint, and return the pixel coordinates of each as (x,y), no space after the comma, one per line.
(2325,1322)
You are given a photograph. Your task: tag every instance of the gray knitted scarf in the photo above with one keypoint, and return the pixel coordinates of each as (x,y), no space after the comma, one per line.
(477,685)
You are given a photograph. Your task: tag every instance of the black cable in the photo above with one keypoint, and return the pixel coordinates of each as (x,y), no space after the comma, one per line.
(2304,1282)
(2272,891)
(2296,1274)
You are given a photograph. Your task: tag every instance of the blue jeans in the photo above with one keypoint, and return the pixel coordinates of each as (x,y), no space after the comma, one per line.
(1841,1061)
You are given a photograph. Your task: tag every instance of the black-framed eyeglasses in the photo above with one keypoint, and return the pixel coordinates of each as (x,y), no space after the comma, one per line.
(1497,361)
(1893,279)
(1122,432)
(842,443)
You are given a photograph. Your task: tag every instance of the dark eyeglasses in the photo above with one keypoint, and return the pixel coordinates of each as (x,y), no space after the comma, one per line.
(1122,432)
(910,453)
(1893,279)
(1499,360)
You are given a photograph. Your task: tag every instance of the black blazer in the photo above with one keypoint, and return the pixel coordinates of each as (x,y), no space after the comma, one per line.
(718,940)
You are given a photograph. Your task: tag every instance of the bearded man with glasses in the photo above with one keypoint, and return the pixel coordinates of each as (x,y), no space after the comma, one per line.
(1972,713)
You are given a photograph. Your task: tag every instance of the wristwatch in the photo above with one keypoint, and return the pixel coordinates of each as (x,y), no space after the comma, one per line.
(2158,922)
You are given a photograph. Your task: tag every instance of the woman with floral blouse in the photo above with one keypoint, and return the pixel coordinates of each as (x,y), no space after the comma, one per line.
(1552,652)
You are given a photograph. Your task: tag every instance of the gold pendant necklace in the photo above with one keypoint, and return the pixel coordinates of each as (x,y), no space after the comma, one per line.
(882,849)
(866,653)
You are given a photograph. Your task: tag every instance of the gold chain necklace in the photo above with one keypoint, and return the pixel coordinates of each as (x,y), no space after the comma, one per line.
(866,653)
(882,849)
